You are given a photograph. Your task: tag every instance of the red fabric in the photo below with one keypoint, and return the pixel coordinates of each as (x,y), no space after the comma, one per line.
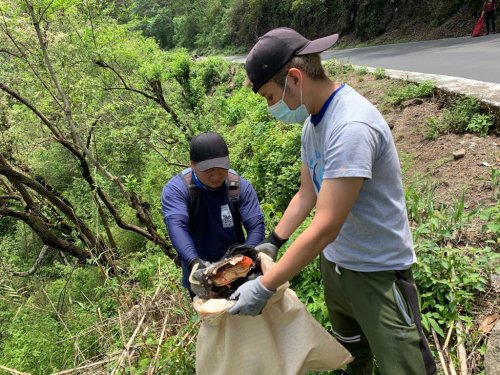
(478,28)
(489,6)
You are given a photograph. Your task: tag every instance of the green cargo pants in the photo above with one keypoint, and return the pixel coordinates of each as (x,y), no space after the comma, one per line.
(377,313)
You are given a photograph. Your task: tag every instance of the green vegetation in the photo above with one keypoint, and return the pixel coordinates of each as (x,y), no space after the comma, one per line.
(410,91)
(335,68)
(464,115)
(94,119)
(362,70)
(379,73)
(210,26)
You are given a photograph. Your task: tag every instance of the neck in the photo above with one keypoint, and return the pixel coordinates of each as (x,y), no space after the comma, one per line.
(200,184)
(318,94)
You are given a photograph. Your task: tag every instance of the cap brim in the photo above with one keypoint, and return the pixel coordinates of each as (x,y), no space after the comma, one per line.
(318,45)
(222,162)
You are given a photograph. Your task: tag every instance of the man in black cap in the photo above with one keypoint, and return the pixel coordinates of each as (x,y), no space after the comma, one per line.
(351,175)
(205,207)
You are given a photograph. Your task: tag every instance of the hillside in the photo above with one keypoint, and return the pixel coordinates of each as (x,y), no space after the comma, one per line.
(95,118)
(234,25)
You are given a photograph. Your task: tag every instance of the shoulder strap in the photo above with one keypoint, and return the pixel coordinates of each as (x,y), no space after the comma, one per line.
(233,192)
(233,186)
(194,194)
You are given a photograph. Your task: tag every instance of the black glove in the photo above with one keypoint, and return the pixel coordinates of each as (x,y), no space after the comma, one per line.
(196,267)
(271,245)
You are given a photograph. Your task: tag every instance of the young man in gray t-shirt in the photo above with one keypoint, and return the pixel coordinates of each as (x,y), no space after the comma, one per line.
(351,175)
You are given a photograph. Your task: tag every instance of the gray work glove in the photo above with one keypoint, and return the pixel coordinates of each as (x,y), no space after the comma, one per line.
(252,297)
(271,245)
(197,266)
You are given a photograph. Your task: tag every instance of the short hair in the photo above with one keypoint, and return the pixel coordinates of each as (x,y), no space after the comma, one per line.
(309,64)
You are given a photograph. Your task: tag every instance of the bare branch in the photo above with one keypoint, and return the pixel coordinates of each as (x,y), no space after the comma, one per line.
(47,236)
(83,163)
(157,89)
(9,197)
(164,158)
(20,179)
(9,53)
(35,267)
(35,110)
(81,151)
(13,371)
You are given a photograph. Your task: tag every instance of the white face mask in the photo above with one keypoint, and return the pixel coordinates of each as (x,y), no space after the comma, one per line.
(282,112)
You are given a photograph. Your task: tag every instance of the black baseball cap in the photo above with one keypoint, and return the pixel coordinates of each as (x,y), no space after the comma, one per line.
(209,150)
(277,47)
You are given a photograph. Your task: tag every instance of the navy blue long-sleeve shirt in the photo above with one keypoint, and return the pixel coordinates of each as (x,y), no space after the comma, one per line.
(211,232)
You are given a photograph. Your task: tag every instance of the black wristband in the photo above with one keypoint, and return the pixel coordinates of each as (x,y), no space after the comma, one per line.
(276,240)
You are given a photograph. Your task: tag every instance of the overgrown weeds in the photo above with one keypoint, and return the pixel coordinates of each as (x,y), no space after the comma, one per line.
(409,91)
(464,115)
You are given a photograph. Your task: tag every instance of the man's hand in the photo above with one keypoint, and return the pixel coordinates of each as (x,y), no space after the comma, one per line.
(271,245)
(197,267)
(252,297)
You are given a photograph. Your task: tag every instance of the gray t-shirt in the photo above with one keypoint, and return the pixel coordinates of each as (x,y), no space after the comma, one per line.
(353,140)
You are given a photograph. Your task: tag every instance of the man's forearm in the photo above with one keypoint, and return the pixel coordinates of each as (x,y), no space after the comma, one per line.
(177,229)
(255,230)
(297,211)
(302,252)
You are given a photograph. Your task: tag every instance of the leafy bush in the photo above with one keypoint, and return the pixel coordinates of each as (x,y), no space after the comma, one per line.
(211,72)
(32,344)
(491,217)
(448,279)
(263,150)
(362,70)
(480,124)
(449,275)
(410,91)
(379,73)
(457,118)
(335,68)
(433,128)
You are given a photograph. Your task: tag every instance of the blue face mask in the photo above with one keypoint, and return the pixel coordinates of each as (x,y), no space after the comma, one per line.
(282,112)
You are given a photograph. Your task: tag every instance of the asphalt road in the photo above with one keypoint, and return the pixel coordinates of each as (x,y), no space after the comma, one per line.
(466,57)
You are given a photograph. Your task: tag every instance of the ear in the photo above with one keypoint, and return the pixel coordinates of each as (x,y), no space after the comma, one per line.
(295,76)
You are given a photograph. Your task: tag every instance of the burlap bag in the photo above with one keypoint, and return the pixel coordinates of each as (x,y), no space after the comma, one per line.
(284,340)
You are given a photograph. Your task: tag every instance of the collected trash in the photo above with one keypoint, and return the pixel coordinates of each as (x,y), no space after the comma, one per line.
(478,27)
(222,278)
(284,340)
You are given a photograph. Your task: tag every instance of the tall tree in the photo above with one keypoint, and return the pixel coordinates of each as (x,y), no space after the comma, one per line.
(56,97)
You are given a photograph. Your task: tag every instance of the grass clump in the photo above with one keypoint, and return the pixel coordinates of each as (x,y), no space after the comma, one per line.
(410,91)
(335,67)
(379,73)
(464,115)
